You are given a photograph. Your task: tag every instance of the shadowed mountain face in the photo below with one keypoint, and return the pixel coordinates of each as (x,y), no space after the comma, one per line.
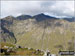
(40,31)
(23,17)
(42,16)
(39,17)
(70,19)
(7,34)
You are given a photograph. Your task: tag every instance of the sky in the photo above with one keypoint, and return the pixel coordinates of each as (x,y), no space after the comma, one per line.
(58,9)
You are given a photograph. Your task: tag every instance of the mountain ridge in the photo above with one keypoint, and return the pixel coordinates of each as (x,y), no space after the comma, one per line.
(40,17)
(46,33)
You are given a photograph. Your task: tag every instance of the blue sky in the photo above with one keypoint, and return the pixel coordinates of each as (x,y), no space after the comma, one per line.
(53,8)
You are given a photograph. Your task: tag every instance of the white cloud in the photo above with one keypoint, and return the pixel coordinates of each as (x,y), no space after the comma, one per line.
(54,8)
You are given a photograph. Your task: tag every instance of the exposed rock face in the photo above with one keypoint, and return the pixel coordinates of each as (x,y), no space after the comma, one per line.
(7,34)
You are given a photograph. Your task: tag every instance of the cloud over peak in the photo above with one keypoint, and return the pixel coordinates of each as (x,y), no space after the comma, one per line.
(53,8)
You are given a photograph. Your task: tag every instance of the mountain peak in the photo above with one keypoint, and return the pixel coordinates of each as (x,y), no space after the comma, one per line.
(42,16)
(23,17)
(9,16)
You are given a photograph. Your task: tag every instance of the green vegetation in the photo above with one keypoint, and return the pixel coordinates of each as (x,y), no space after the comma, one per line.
(18,51)
(50,41)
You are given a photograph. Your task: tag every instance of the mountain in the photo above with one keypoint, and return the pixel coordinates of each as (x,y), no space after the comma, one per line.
(38,17)
(23,17)
(70,19)
(39,32)
(42,16)
(6,29)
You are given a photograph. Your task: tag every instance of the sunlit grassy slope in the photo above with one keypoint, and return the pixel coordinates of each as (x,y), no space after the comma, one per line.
(54,37)
(19,51)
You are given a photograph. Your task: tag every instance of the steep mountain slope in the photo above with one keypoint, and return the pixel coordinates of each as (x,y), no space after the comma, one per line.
(48,34)
(43,32)
(6,31)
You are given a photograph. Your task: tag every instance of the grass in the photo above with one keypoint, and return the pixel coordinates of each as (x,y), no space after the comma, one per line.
(34,39)
(20,51)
